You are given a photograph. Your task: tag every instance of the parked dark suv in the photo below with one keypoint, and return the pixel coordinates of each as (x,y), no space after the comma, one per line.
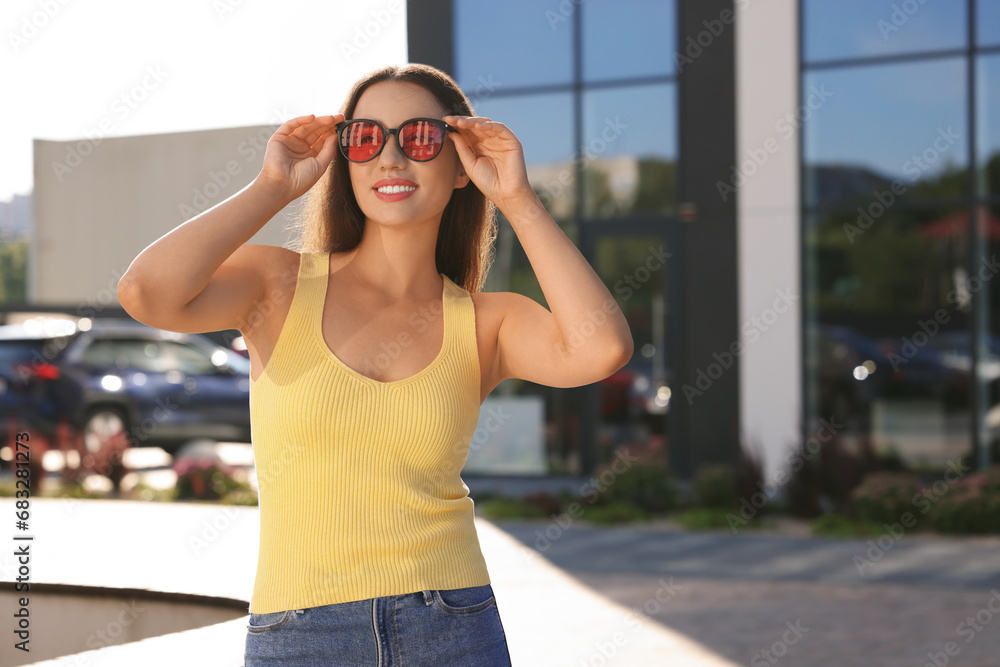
(120,377)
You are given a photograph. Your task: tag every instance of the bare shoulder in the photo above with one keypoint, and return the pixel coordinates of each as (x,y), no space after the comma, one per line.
(486,304)
(491,307)
(266,261)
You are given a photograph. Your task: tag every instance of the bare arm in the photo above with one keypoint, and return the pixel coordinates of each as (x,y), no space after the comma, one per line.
(201,276)
(585,338)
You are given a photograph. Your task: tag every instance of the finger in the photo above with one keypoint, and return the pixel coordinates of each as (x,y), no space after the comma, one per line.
(313,132)
(326,152)
(466,122)
(295,146)
(465,153)
(290,126)
(482,127)
(312,137)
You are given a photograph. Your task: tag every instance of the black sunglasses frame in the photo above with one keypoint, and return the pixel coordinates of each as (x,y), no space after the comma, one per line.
(442,126)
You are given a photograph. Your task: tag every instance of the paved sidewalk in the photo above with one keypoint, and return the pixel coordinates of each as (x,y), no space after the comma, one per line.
(550,618)
(765,599)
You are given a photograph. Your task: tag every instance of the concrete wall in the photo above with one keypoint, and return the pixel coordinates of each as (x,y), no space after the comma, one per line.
(99,202)
(767,141)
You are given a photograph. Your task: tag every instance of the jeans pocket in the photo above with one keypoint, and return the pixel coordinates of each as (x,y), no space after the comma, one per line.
(464,600)
(269,621)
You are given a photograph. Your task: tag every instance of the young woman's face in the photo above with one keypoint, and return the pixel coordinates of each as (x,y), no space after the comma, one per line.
(433,182)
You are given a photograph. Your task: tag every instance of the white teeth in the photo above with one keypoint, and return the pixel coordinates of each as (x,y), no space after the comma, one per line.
(395,189)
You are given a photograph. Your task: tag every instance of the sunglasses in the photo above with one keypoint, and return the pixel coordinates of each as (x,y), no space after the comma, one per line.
(420,139)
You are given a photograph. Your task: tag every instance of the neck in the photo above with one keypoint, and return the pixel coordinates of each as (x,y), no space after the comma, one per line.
(398,261)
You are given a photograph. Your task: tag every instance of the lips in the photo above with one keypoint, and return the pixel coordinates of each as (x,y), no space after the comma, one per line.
(394,189)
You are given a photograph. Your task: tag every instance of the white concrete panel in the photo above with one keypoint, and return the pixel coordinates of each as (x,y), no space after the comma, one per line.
(766,179)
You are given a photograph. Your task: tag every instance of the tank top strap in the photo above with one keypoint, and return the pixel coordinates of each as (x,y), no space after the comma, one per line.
(460,324)
(459,314)
(310,289)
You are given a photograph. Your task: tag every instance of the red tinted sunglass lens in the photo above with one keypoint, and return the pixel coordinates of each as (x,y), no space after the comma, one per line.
(362,140)
(421,140)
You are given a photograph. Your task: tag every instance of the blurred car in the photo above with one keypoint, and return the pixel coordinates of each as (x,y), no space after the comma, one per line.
(119,381)
(852,370)
(636,393)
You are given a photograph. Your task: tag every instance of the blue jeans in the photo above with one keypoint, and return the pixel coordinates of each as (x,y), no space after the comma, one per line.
(439,628)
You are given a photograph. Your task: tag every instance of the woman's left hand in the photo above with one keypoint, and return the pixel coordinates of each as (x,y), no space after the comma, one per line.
(492,158)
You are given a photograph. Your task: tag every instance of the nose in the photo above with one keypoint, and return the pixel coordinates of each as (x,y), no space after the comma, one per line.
(391,156)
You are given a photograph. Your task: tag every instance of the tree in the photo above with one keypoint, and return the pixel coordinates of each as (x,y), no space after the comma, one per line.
(13,271)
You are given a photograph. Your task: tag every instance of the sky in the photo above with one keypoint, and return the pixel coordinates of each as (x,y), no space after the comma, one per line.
(72,69)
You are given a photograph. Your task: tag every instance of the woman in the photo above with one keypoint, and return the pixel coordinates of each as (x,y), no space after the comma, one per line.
(372,349)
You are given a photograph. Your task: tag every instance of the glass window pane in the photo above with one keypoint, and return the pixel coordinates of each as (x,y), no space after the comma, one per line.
(865,28)
(635,400)
(189,359)
(627,39)
(544,126)
(629,150)
(988,123)
(988,22)
(866,128)
(887,313)
(139,355)
(512,43)
(99,353)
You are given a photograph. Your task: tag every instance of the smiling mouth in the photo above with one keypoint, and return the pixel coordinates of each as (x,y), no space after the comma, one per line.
(395,189)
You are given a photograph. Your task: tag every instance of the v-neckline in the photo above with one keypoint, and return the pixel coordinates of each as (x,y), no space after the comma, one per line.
(445,311)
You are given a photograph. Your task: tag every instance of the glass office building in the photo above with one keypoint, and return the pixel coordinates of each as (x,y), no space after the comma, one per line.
(795,203)
(901,173)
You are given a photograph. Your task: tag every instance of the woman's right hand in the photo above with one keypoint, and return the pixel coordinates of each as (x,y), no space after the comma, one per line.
(298,153)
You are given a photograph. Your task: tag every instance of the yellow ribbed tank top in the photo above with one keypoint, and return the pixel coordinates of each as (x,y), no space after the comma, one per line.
(359,480)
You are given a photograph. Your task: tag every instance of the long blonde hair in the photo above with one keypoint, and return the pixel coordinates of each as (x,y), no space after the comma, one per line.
(332,221)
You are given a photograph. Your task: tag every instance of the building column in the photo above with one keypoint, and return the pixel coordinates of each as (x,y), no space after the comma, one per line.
(768,208)
(705,387)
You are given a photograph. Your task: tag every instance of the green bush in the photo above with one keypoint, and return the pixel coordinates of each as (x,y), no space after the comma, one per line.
(971,506)
(748,478)
(838,525)
(242,496)
(714,486)
(824,473)
(546,503)
(614,512)
(884,497)
(74,490)
(146,493)
(510,508)
(199,479)
(649,486)
(709,518)
(702,518)
(802,492)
